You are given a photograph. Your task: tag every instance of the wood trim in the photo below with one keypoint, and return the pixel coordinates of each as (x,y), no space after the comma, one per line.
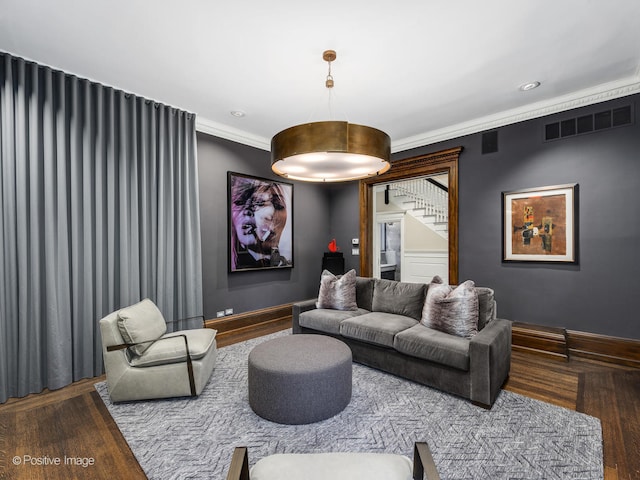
(250,321)
(561,344)
(621,351)
(444,161)
(549,342)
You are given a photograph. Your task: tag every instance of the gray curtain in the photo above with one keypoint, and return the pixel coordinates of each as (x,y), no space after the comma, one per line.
(99,209)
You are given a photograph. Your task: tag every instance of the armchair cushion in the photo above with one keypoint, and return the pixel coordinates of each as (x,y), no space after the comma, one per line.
(142,322)
(323,466)
(171,348)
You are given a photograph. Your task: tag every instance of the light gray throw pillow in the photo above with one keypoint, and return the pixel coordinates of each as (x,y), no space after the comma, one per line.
(337,292)
(452,310)
(142,322)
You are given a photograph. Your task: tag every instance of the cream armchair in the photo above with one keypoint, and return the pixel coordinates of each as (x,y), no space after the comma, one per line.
(335,466)
(142,361)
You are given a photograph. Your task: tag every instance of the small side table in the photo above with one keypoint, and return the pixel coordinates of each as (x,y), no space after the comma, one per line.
(334,262)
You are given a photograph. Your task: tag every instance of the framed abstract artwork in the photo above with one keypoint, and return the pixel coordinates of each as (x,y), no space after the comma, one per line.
(260,222)
(540,224)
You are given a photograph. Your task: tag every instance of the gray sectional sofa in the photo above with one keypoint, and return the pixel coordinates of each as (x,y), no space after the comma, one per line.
(385,333)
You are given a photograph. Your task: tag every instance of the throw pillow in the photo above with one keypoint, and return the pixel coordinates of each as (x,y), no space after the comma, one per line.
(142,322)
(337,292)
(452,310)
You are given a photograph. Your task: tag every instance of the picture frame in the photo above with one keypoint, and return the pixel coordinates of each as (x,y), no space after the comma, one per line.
(260,223)
(540,224)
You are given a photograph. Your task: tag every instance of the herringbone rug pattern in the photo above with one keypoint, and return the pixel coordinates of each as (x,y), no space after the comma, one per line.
(519,438)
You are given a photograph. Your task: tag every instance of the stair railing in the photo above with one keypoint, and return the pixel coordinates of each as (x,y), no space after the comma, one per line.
(427,195)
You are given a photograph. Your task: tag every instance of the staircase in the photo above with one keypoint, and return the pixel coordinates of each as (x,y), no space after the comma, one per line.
(424,199)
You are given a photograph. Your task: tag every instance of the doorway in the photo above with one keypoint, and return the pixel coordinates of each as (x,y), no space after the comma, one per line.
(388,241)
(410,241)
(444,162)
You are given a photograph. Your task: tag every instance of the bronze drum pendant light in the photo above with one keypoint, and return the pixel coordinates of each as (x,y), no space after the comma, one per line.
(330,151)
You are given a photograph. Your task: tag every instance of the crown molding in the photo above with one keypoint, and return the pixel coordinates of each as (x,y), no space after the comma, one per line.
(581,98)
(229,133)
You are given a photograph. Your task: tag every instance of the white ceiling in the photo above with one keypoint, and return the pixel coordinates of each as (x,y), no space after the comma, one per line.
(423,71)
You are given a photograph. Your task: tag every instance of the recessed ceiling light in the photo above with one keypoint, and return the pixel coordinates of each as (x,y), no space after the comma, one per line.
(529,86)
(237,113)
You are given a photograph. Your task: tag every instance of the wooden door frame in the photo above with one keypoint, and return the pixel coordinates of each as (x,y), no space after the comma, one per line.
(444,161)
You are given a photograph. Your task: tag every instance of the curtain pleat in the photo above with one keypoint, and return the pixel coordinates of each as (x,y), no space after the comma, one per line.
(99,209)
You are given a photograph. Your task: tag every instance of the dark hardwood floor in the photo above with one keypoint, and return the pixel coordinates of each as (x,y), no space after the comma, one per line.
(73,425)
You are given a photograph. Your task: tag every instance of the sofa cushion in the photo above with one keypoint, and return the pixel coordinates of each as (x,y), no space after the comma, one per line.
(433,345)
(376,327)
(401,298)
(337,292)
(171,349)
(364,292)
(326,320)
(486,306)
(141,322)
(452,310)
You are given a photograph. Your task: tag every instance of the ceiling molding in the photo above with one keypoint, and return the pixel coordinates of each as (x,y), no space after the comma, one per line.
(582,98)
(229,133)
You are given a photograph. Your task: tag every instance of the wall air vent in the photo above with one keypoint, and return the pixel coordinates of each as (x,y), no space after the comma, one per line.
(617,117)
(489,142)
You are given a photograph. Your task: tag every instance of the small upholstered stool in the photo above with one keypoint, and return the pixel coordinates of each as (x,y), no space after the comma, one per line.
(300,379)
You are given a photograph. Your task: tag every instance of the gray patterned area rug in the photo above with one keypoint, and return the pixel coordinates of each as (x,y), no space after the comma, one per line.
(519,438)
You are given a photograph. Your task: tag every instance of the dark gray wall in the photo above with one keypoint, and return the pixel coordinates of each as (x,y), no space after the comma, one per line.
(598,294)
(344,208)
(246,291)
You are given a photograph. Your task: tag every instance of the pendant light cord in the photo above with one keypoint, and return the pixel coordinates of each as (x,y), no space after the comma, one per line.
(329,83)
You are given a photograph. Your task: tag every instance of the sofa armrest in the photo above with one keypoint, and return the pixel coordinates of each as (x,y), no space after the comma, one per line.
(490,361)
(298,308)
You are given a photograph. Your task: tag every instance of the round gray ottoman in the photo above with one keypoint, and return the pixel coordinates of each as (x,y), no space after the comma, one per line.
(299,379)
